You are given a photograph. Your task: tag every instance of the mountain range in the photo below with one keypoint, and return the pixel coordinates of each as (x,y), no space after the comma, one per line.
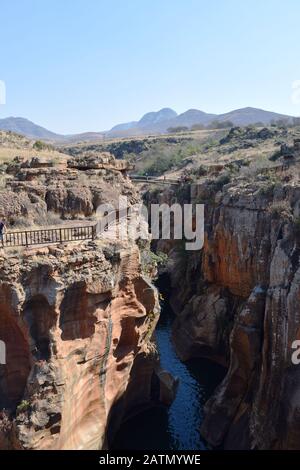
(151,123)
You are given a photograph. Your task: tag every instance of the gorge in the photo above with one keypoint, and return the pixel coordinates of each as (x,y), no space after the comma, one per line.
(236,303)
(89,363)
(177,426)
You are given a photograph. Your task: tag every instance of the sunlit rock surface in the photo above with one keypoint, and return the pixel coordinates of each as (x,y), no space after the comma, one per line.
(77,323)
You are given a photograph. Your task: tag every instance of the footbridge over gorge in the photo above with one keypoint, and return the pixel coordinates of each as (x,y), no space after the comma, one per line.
(155,180)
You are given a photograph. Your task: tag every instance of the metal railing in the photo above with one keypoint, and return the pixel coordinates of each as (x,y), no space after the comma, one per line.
(49,236)
(153,179)
(61,234)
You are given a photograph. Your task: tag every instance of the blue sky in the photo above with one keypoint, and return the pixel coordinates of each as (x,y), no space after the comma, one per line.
(78,65)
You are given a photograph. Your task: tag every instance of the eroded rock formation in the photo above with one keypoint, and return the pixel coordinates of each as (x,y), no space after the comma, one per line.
(36,188)
(237,302)
(77,323)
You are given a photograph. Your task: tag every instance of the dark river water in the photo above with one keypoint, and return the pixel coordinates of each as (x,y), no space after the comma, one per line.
(176,427)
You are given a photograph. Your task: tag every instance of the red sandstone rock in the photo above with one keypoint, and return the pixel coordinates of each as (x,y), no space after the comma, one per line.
(78,333)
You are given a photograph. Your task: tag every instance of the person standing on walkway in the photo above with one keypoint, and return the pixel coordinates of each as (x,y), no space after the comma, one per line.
(2,231)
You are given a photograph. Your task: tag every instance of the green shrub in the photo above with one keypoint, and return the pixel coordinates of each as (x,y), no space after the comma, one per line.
(152,261)
(220,124)
(23,406)
(221,181)
(197,127)
(40,145)
(174,130)
(281,209)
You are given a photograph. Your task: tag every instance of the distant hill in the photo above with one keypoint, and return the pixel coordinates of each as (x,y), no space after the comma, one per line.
(193,116)
(160,121)
(33,131)
(25,127)
(156,122)
(153,120)
(246,116)
(157,118)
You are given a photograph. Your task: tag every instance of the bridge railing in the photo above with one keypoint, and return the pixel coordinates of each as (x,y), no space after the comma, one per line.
(49,236)
(154,179)
(61,234)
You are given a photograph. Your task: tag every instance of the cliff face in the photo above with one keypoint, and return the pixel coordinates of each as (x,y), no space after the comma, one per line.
(77,324)
(77,318)
(36,188)
(237,302)
(254,253)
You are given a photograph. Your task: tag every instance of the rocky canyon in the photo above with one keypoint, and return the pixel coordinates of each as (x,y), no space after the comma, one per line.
(80,317)
(237,302)
(77,318)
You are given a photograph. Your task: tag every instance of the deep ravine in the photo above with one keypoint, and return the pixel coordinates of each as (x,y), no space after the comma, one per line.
(177,427)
